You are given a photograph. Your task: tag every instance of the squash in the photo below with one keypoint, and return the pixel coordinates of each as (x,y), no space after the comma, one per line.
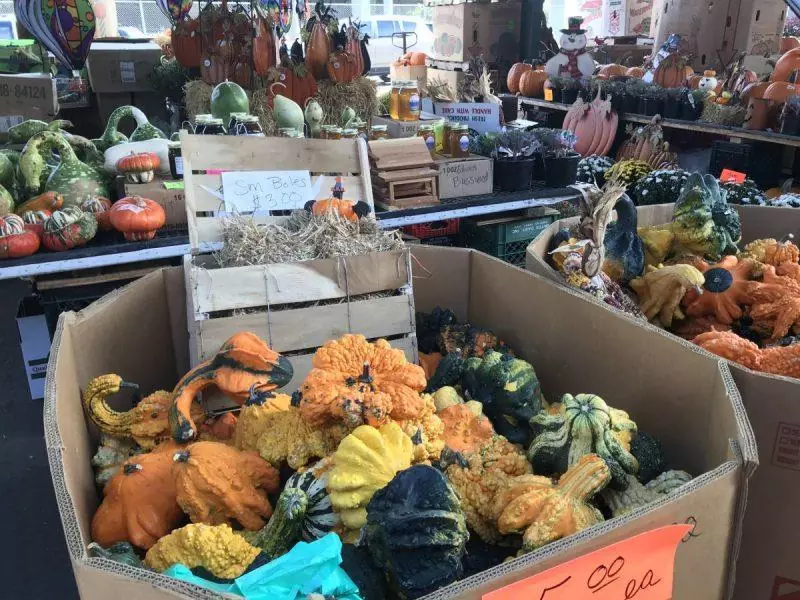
(318,45)
(365,462)
(100,208)
(137,218)
(772,252)
(243,365)
(671,72)
(416,532)
(138,168)
(726,289)
(545,512)
(216,548)
(121,552)
(531,83)
(357,563)
(284,528)
(354,381)
(254,414)
(346,209)
(217,484)
(446,396)
(464,431)
(139,503)
(287,438)
(509,391)
(661,290)
(157,146)
(777,360)
(469,340)
(635,72)
(613,70)
(146,423)
(580,425)
(110,454)
(448,372)
(288,114)
(786,65)
(319,518)
(48,201)
(776,304)
(68,228)
(636,495)
(624,250)
(112,137)
(649,452)
(16,240)
(426,432)
(780,91)
(515,73)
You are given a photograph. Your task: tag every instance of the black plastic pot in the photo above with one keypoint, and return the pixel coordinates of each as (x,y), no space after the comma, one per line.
(689,112)
(790,123)
(672,109)
(513,175)
(569,96)
(617,102)
(561,172)
(557,94)
(538,168)
(650,107)
(630,104)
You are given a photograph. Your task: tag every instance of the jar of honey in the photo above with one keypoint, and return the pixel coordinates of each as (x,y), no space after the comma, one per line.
(361,127)
(459,140)
(200,123)
(287,132)
(394,100)
(234,121)
(446,131)
(426,133)
(349,134)
(379,132)
(410,103)
(335,133)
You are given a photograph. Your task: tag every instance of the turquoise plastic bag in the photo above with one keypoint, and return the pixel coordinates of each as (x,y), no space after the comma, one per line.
(308,568)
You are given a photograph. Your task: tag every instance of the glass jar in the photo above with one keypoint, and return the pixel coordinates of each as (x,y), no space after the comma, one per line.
(234,121)
(286,132)
(214,127)
(410,103)
(446,130)
(334,133)
(394,100)
(459,140)
(248,125)
(349,134)
(379,132)
(175,160)
(200,122)
(361,129)
(427,134)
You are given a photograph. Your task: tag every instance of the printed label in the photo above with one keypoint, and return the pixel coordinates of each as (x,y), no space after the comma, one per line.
(463,143)
(430,142)
(414,103)
(127,71)
(548,95)
(134,208)
(179,165)
(786,452)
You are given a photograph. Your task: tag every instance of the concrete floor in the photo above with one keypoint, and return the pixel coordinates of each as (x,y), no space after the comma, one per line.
(35,564)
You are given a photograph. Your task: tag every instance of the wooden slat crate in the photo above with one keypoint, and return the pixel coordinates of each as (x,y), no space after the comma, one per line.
(401,173)
(295,307)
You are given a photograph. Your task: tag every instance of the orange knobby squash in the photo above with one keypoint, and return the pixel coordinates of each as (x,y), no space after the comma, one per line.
(531,84)
(515,73)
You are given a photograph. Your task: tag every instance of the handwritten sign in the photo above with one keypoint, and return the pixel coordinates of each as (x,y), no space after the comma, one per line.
(729,175)
(250,191)
(482,117)
(640,567)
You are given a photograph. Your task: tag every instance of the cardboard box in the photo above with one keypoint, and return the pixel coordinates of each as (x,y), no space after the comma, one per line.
(627,17)
(691,406)
(26,96)
(116,67)
(151,103)
(411,73)
(460,177)
(464,31)
(173,200)
(401,129)
(768,567)
(452,79)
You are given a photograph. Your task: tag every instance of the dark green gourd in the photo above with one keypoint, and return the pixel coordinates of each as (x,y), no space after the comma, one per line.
(285,527)
(624,250)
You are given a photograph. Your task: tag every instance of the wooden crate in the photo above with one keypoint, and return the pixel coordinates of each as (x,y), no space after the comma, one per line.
(295,307)
(402,173)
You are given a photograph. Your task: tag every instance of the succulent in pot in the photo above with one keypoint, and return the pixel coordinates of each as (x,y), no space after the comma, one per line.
(139,167)
(514,159)
(68,228)
(137,218)
(16,241)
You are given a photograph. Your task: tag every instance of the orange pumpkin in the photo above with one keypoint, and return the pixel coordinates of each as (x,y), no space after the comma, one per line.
(613,70)
(788,42)
(786,65)
(319,45)
(415,59)
(137,218)
(515,73)
(186,43)
(264,52)
(637,72)
(341,67)
(780,91)
(672,72)
(300,83)
(47,201)
(531,84)
(754,90)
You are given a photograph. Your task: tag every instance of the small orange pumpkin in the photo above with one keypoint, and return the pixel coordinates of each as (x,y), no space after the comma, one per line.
(637,72)
(515,73)
(415,59)
(139,167)
(613,70)
(137,218)
(531,84)
(347,209)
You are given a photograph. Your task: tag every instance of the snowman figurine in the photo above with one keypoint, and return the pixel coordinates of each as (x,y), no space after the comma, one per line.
(573,60)
(708,82)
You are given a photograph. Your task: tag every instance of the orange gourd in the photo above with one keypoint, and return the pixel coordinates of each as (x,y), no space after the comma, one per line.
(786,65)
(415,59)
(137,218)
(531,84)
(727,287)
(776,304)
(613,70)
(773,252)
(778,360)
(48,201)
(515,73)
(780,91)
(464,430)
(637,72)
(264,51)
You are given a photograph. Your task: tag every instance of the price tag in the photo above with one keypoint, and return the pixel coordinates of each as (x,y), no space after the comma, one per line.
(640,567)
(729,176)
(548,94)
(250,191)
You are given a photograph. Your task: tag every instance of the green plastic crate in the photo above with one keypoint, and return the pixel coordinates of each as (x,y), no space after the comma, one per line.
(507,240)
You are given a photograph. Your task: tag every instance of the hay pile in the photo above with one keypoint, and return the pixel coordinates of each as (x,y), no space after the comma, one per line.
(723,114)
(301,237)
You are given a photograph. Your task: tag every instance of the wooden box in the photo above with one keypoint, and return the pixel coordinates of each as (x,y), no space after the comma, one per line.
(171,200)
(295,307)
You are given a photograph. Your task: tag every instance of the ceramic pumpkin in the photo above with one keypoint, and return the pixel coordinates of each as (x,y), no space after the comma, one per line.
(16,241)
(264,49)
(137,218)
(186,43)
(515,73)
(786,65)
(531,83)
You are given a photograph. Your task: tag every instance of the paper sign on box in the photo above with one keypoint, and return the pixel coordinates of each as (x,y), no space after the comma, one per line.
(482,117)
(248,191)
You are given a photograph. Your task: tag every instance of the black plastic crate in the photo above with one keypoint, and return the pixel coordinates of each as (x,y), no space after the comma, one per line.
(760,162)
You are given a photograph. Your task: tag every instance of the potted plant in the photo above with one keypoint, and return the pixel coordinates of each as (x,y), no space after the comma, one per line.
(634,88)
(556,84)
(672,102)
(692,105)
(651,102)
(570,88)
(616,94)
(559,156)
(790,116)
(514,159)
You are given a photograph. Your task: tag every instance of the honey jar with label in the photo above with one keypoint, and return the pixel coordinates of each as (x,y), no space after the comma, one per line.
(379,132)
(394,100)
(426,133)
(459,140)
(446,130)
(410,102)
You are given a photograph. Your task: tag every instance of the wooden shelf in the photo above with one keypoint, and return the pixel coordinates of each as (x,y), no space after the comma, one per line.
(735,133)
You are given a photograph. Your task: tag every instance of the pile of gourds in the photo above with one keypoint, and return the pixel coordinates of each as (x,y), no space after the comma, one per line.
(57,187)
(418,469)
(689,275)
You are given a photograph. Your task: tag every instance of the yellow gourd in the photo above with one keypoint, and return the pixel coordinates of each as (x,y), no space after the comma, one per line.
(253,418)
(215,547)
(365,462)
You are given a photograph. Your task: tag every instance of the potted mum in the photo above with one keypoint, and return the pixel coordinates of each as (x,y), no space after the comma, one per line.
(514,159)
(634,88)
(692,105)
(651,102)
(570,88)
(559,157)
(672,102)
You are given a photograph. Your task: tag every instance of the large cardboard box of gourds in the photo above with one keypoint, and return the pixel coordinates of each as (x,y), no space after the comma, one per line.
(686,399)
(768,565)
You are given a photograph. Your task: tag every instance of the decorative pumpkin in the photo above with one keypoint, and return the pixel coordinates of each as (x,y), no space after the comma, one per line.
(636,72)
(50,201)
(353,48)
(341,66)
(68,228)
(415,59)
(754,90)
(318,44)
(137,218)
(100,208)
(139,168)
(509,391)
(139,503)
(265,54)
(613,70)
(110,454)
(216,548)
(147,423)
(478,476)
(580,425)
(661,290)
(216,483)
(671,72)
(787,43)
(319,518)
(776,304)
(213,69)
(515,73)
(620,503)
(347,209)
(465,431)
(786,65)
(253,415)
(354,381)
(780,91)
(624,250)
(426,432)
(243,365)
(772,252)
(300,84)
(284,528)
(365,462)
(777,360)
(287,438)
(416,532)
(545,512)
(726,288)
(16,240)
(186,43)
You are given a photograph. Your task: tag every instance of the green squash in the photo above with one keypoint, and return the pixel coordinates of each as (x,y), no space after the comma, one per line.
(580,425)
(416,532)
(21,133)
(650,455)
(636,495)
(285,527)
(229,97)
(6,202)
(110,454)
(319,518)
(624,250)
(509,391)
(112,136)
(357,563)
(7,171)
(448,372)
(121,552)
(430,325)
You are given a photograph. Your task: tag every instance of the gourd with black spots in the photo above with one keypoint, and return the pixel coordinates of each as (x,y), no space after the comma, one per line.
(112,136)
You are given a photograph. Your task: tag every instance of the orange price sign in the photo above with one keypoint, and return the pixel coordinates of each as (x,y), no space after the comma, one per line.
(548,95)
(728,175)
(640,567)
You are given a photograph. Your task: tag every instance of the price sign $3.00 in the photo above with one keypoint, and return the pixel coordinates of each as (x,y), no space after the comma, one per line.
(639,568)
